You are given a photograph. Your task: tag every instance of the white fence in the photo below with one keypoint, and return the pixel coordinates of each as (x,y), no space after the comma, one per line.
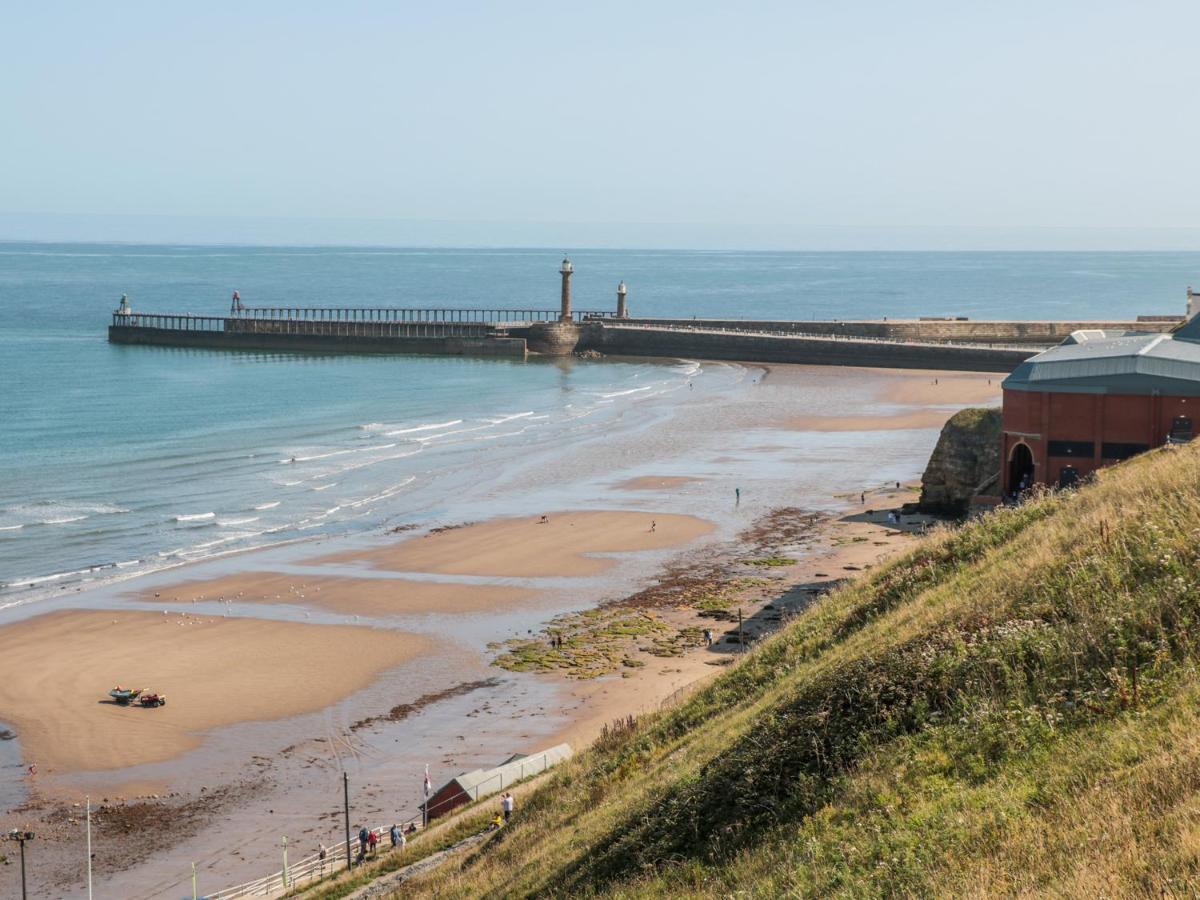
(312,867)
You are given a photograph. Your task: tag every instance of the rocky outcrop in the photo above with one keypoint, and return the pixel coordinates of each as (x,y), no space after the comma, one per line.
(965,462)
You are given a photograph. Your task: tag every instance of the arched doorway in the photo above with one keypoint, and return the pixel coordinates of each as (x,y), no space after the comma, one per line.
(1020,468)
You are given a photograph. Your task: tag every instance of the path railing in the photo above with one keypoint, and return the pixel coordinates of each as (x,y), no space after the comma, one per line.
(759,331)
(312,867)
(169,321)
(411,314)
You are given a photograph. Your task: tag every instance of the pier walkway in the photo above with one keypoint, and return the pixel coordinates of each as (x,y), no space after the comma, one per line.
(513,333)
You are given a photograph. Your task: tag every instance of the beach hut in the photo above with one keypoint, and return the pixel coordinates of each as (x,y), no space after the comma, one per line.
(471,786)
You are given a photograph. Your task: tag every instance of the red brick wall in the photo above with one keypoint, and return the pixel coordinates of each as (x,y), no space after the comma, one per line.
(1036,418)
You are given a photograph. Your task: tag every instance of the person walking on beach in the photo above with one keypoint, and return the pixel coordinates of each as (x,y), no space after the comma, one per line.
(708,637)
(737,496)
(862,497)
(653,525)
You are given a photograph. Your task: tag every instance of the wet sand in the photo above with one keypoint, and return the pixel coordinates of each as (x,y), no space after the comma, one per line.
(374,597)
(919,399)
(529,548)
(656,482)
(921,418)
(56,671)
(843,546)
(928,387)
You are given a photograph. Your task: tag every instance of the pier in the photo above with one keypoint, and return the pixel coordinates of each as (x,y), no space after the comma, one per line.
(517,333)
(948,343)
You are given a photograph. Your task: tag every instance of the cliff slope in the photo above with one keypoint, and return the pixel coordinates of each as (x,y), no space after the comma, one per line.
(1010,708)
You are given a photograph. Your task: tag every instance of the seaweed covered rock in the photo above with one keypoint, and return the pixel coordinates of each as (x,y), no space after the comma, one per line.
(965,462)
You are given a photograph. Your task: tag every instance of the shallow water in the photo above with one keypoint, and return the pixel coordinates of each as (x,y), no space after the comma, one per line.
(117,460)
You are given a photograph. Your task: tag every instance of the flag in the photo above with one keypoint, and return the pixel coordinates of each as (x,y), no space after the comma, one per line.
(428,783)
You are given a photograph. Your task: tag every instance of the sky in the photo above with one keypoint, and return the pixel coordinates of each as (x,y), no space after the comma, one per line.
(806,125)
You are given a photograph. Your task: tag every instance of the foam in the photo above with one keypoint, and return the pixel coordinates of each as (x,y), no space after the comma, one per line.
(429,427)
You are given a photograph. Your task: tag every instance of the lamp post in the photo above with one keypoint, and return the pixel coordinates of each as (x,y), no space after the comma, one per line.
(346,808)
(21,837)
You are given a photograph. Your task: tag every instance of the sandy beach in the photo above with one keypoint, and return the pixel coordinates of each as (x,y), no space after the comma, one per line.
(921,418)
(56,671)
(373,597)
(924,387)
(529,547)
(659,575)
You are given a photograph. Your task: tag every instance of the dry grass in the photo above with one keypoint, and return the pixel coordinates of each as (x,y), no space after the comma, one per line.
(1011,708)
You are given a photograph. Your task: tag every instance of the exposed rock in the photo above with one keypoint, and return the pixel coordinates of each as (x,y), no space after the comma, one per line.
(965,461)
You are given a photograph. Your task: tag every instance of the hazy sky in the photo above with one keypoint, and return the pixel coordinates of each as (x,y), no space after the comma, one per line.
(661,123)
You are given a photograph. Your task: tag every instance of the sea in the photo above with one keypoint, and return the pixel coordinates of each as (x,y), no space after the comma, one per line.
(118,460)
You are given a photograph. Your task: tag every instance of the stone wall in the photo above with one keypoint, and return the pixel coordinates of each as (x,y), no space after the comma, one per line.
(615,340)
(549,338)
(319,343)
(1039,334)
(965,462)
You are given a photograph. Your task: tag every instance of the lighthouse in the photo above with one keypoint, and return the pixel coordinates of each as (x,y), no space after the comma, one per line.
(124,309)
(622,309)
(565,270)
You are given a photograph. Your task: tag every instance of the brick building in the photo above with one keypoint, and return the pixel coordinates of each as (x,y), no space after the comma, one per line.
(1096,399)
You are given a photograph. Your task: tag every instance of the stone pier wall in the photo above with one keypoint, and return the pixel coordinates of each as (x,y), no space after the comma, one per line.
(615,340)
(320,343)
(1041,334)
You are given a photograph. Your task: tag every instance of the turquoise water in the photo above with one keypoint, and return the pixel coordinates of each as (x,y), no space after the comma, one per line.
(127,458)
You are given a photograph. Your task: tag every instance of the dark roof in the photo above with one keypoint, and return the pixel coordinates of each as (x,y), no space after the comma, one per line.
(1112,362)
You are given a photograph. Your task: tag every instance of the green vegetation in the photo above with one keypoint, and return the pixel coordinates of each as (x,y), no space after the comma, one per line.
(595,642)
(1011,707)
(772,561)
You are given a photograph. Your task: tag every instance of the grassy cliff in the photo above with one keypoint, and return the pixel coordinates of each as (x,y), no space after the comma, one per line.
(1011,707)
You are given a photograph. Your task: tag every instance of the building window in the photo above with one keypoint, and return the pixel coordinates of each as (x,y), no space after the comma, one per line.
(1181,430)
(1122,451)
(1068,477)
(1071,448)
